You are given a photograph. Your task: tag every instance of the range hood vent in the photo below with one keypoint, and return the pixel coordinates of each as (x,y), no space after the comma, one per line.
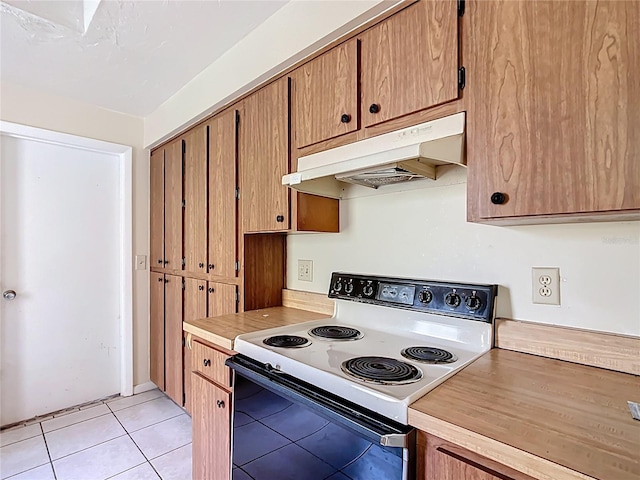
(387,159)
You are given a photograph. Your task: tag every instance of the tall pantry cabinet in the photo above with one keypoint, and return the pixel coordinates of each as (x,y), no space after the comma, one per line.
(193,243)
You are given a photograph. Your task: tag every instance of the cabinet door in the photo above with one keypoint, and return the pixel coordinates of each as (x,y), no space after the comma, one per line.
(173,338)
(441,460)
(410,61)
(173,205)
(195,306)
(553,107)
(264,158)
(222,299)
(195,199)
(325,95)
(156,329)
(156,208)
(187,360)
(211,430)
(223,205)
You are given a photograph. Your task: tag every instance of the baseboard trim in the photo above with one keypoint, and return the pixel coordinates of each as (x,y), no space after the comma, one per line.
(144,387)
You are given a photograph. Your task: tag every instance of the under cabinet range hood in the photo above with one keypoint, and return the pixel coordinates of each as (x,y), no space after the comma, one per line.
(407,154)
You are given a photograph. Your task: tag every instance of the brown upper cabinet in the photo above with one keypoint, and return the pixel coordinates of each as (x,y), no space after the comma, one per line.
(223,204)
(264,154)
(553,108)
(173,205)
(409,62)
(195,200)
(156,207)
(166,206)
(325,95)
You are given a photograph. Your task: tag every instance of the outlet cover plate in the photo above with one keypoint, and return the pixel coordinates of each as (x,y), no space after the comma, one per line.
(545,283)
(305,270)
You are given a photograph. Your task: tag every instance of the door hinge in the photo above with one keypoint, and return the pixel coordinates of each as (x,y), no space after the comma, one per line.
(237,118)
(184,148)
(184,261)
(460,8)
(462,78)
(184,398)
(237,266)
(237,193)
(237,296)
(184,342)
(184,204)
(184,285)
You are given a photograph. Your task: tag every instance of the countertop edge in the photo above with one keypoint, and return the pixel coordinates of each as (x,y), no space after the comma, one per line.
(208,336)
(527,463)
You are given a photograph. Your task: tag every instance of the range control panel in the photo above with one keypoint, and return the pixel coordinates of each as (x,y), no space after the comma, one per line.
(444,298)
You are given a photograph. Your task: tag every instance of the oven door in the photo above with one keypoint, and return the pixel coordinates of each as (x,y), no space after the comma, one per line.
(284,428)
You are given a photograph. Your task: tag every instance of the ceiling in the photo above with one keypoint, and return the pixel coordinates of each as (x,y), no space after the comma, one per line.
(127,56)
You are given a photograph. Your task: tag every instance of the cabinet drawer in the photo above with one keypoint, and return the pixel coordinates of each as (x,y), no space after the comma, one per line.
(210,362)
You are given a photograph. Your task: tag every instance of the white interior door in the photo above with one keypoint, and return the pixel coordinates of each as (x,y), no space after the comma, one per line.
(60,252)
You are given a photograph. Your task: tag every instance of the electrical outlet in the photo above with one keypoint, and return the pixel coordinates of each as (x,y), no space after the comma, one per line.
(305,270)
(546,285)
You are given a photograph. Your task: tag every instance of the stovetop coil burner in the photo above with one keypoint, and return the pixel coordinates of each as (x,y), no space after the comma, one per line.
(428,355)
(287,341)
(336,332)
(382,370)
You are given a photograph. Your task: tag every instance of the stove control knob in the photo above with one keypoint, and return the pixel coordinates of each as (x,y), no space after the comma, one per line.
(425,296)
(452,299)
(348,288)
(367,290)
(473,302)
(337,287)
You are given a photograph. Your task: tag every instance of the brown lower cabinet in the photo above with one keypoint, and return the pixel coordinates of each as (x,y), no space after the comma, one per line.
(441,460)
(210,411)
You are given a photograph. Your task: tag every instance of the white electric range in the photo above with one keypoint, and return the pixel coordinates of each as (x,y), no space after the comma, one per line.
(389,342)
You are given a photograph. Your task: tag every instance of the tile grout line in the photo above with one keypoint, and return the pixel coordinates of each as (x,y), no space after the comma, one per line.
(135,404)
(138,447)
(77,423)
(46,445)
(151,424)
(88,448)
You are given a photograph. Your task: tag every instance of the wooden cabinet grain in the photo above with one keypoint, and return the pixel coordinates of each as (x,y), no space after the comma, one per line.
(409,62)
(553,104)
(173,338)
(325,95)
(156,329)
(438,459)
(211,430)
(223,205)
(173,205)
(156,208)
(195,200)
(222,299)
(264,154)
(195,307)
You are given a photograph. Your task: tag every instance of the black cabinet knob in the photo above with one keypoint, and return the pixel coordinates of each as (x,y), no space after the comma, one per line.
(211,266)
(166,280)
(160,279)
(211,290)
(220,404)
(345,118)
(201,265)
(206,362)
(374,108)
(160,262)
(498,198)
(200,287)
(280,218)
(166,262)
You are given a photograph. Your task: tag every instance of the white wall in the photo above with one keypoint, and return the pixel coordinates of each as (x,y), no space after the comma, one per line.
(293,32)
(37,109)
(423,233)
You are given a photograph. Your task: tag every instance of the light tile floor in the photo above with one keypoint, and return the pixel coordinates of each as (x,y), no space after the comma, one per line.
(143,437)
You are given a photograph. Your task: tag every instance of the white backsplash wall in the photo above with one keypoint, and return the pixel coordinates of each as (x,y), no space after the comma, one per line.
(423,233)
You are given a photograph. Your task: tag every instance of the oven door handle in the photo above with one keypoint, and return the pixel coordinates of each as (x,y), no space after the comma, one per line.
(369,424)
